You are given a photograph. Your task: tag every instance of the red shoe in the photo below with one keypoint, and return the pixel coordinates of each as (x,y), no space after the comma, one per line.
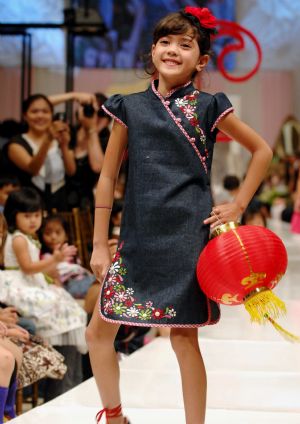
(111,413)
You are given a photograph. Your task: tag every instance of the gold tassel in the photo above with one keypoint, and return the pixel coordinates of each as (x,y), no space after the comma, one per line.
(286,334)
(262,304)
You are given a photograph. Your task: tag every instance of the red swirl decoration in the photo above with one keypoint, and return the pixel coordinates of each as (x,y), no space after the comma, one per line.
(236,31)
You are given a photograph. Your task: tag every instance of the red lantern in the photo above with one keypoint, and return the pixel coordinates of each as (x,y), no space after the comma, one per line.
(242,264)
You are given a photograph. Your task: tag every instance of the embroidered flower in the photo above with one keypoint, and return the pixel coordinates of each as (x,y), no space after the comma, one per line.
(108,307)
(181,102)
(157,313)
(171,312)
(121,296)
(114,268)
(132,312)
(188,106)
(109,292)
(116,278)
(128,302)
(118,299)
(189,111)
(119,308)
(145,314)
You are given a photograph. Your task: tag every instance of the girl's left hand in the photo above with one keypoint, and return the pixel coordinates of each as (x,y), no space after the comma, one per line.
(223,213)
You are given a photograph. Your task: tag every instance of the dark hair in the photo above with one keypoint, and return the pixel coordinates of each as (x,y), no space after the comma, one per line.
(254,208)
(26,199)
(31,99)
(9,180)
(56,218)
(10,128)
(179,23)
(231,182)
(53,218)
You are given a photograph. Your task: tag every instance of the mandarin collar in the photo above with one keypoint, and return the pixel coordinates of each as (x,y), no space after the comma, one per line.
(179,91)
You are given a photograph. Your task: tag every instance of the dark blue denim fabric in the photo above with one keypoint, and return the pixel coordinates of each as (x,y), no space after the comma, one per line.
(167,198)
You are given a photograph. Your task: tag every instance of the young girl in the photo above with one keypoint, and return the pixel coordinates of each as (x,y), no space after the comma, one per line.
(71,275)
(169,130)
(58,318)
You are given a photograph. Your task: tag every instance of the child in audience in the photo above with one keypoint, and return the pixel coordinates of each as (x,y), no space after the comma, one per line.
(57,316)
(7,185)
(254,214)
(71,275)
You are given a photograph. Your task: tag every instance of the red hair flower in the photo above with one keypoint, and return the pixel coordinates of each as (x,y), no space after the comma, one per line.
(204,16)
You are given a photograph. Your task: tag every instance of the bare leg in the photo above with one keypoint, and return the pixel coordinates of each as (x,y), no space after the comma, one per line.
(100,336)
(7,363)
(193,375)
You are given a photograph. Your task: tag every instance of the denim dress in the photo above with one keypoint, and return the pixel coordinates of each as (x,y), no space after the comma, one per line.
(152,279)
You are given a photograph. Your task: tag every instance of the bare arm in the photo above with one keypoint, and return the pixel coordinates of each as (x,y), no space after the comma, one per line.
(95,152)
(104,197)
(89,132)
(261,158)
(80,97)
(20,248)
(22,159)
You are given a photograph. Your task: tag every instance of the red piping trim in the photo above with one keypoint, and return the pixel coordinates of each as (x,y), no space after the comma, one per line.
(113,116)
(231,109)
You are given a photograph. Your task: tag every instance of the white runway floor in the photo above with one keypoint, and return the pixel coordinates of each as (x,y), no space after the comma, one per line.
(253,374)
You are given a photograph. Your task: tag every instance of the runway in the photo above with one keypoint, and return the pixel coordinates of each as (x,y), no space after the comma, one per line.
(253,373)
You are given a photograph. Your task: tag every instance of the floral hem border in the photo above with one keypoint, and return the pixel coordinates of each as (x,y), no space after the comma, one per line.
(145,324)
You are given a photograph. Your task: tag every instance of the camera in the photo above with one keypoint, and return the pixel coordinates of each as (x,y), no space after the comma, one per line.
(88,110)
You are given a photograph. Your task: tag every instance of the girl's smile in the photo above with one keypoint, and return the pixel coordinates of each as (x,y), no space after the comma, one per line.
(176,57)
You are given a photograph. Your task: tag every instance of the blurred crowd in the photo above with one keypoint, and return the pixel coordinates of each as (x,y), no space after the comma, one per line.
(48,169)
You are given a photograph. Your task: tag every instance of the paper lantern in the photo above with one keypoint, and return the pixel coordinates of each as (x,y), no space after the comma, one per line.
(241,265)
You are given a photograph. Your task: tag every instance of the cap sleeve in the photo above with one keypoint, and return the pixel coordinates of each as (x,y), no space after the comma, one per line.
(115,108)
(219,106)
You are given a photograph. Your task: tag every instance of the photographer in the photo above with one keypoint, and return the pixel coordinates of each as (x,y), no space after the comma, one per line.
(40,157)
(88,144)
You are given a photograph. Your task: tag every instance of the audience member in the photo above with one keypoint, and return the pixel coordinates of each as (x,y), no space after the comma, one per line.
(231,185)
(71,275)
(254,214)
(7,185)
(58,317)
(41,157)
(88,144)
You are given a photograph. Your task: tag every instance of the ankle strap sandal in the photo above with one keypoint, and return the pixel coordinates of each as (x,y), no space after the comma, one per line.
(111,413)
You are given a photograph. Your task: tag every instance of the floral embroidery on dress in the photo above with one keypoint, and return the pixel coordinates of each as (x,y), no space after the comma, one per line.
(187,105)
(120,300)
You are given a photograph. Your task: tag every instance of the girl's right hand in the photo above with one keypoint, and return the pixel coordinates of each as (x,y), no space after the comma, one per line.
(100,262)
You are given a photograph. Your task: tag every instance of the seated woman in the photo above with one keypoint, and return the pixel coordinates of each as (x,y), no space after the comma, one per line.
(41,157)
(88,146)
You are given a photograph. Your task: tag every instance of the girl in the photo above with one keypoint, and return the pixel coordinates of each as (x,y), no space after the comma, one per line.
(169,130)
(58,318)
(75,279)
